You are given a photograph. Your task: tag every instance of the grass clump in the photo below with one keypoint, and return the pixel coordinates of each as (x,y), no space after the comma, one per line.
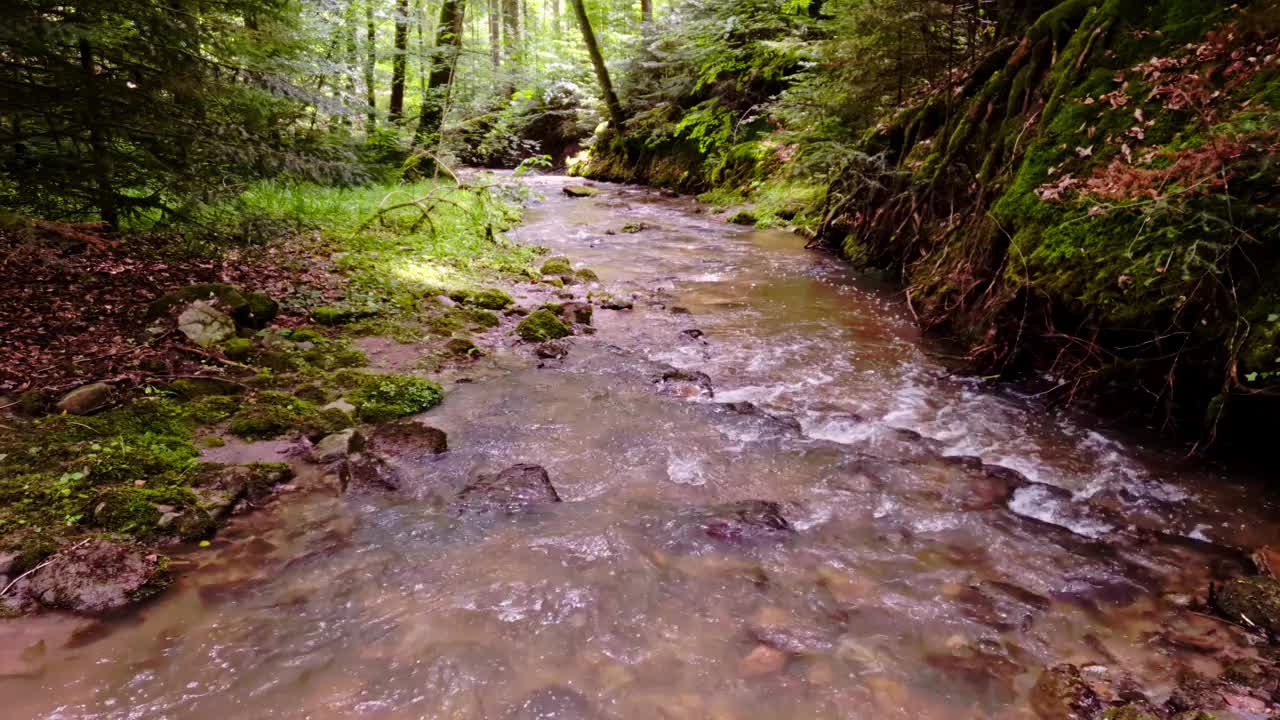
(541,326)
(387,397)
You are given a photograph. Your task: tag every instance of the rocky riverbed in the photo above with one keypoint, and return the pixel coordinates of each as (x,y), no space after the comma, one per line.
(716,476)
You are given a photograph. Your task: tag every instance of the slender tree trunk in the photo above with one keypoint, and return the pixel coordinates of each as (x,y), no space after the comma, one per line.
(399,63)
(353,61)
(597,61)
(511,32)
(495,34)
(443,61)
(106,196)
(370,60)
(646,13)
(555,16)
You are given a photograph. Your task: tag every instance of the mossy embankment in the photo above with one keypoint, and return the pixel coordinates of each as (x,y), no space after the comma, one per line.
(111,446)
(1092,200)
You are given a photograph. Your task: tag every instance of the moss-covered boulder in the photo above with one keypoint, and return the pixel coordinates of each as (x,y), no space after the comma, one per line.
(490,299)
(197,387)
(393,396)
(326,315)
(580,191)
(1061,693)
(541,326)
(462,347)
(238,349)
(557,266)
(743,217)
(1255,598)
(272,414)
(250,309)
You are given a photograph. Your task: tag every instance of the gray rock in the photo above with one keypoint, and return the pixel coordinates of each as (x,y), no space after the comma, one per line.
(206,325)
(7,561)
(446,301)
(337,446)
(685,383)
(615,303)
(552,349)
(340,404)
(580,191)
(98,577)
(516,489)
(86,399)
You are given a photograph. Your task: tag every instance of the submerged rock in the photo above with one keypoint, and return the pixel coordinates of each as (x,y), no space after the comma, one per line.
(554,703)
(99,577)
(86,399)
(762,660)
(576,312)
(746,521)
(1061,693)
(617,303)
(516,489)
(409,437)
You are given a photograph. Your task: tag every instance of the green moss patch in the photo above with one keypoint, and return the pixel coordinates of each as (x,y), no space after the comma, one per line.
(541,326)
(386,397)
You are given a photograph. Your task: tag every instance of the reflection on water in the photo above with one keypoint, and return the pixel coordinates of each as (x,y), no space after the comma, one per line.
(904,582)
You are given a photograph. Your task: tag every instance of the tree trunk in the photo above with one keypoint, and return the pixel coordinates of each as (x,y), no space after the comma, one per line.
(511,32)
(555,17)
(443,61)
(646,12)
(106,196)
(597,61)
(371,58)
(495,34)
(399,63)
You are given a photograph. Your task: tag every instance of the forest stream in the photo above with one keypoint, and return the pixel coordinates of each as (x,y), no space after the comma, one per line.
(777,502)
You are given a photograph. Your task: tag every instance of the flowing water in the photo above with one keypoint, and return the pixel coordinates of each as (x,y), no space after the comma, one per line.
(911,583)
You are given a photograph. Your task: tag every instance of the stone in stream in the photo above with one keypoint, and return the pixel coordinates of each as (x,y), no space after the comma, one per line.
(1061,693)
(684,383)
(576,312)
(580,191)
(514,490)
(762,660)
(85,399)
(98,577)
(617,303)
(743,522)
(785,422)
(337,446)
(552,349)
(782,629)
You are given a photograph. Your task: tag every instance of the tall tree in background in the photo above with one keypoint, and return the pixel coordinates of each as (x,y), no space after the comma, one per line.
(511,32)
(443,61)
(370,63)
(616,115)
(646,12)
(400,61)
(495,34)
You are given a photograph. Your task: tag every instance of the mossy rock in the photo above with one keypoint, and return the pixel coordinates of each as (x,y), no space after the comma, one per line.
(281,361)
(35,402)
(238,349)
(490,299)
(1257,598)
(334,358)
(326,315)
(260,310)
(580,191)
(312,393)
(272,414)
(198,387)
(227,295)
(557,266)
(389,397)
(743,217)
(214,409)
(541,326)
(446,324)
(587,275)
(462,347)
(137,511)
(483,319)
(553,281)
(633,227)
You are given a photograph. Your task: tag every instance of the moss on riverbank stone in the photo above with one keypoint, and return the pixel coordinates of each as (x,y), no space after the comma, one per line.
(542,325)
(1255,598)
(388,397)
